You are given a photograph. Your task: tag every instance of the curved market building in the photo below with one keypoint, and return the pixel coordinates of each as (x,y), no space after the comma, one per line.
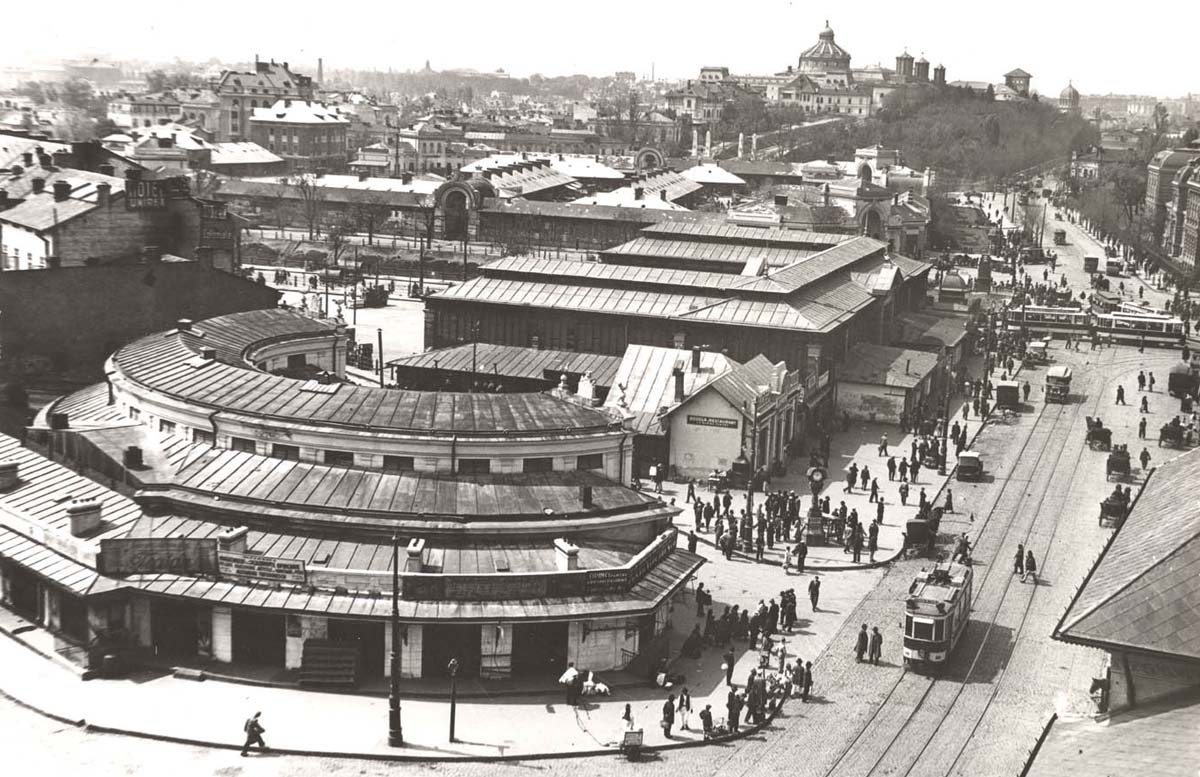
(201,504)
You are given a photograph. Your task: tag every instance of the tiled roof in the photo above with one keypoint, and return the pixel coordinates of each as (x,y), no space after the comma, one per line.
(1144,592)
(1161,739)
(291,111)
(40,212)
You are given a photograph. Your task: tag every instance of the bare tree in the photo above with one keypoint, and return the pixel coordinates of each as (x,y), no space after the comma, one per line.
(312,198)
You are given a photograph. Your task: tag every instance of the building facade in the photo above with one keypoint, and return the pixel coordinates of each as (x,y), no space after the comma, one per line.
(241,93)
(309,136)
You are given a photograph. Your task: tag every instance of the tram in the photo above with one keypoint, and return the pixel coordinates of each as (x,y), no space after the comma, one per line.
(1151,328)
(1105,301)
(936,611)
(1038,320)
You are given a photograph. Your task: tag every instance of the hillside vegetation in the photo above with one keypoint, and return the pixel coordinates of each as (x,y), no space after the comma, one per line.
(965,137)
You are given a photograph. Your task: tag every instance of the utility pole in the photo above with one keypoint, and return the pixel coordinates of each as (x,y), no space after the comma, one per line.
(453,668)
(380,333)
(753,458)
(395,730)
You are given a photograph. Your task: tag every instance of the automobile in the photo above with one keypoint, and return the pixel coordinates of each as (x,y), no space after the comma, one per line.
(1037,352)
(1060,237)
(1091,264)
(1058,383)
(1008,394)
(970,466)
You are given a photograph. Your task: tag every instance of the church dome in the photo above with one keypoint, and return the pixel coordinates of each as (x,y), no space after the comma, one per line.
(1070,93)
(825,54)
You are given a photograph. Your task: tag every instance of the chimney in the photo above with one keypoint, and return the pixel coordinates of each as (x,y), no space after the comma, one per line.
(39,185)
(662,194)
(10,472)
(27,158)
(587,387)
(585,497)
(3,199)
(678,374)
(60,421)
(907,364)
(103,192)
(208,354)
(566,555)
(363,175)
(416,548)
(132,457)
(406,178)
(85,515)
(16,171)
(637,192)
(233,540)
(61,158)
(62,190)
(44,159)
(106,169)
(184,325)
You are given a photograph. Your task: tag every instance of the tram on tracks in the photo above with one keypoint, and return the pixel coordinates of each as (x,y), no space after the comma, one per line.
(1136,328)
(1040,320)
(1125,323)
(936,611)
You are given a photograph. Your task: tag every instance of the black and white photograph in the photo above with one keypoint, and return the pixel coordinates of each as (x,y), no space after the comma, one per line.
(637,389)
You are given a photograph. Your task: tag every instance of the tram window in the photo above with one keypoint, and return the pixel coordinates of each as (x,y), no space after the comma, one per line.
(922,630)
(939,630)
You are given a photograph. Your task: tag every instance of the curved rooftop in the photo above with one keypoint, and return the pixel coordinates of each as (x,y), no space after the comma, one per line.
(171,363)
(825,51)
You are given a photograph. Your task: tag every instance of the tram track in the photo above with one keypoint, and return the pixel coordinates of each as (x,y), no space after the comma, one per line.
(933,726)
(925,684)
(916,705)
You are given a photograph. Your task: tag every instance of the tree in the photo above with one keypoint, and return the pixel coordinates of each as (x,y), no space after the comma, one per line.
(77,93)
(312,197)
(989,93)
(1190,136)
(156,80)
(34,90)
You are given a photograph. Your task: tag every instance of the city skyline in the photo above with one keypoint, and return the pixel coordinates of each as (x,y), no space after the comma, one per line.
(766,39)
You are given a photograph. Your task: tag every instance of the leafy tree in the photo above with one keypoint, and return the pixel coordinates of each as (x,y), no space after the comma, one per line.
(34,90)
(1190,136)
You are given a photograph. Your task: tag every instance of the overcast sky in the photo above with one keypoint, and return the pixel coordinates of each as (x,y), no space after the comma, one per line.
(1119,50)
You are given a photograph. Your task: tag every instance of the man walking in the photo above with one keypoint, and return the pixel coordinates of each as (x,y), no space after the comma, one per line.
(883,445)
(254,731)
(1142,428)
(891,468)
(668,715)
(801,554)
(1120,395)
(876,649)
(860,647)
(727,659)
(814,591)
(903,470)
(1144,456)
(808,681)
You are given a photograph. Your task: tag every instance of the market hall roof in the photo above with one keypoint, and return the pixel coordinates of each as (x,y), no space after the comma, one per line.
(717,253)
(514,361)
(171,363)
(645,382)
(1142,594)
(825,49)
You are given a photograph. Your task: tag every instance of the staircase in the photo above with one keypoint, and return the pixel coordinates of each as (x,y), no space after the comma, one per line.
(329,663)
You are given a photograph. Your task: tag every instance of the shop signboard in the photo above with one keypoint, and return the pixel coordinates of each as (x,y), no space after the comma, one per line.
(708,420)
(252,568)
(157,555)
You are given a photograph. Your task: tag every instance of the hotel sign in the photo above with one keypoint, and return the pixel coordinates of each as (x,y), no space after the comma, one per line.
(708,420)
(247,568)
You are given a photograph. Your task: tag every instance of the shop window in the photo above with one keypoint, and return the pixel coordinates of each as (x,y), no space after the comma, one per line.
(590,461)
(541,464)
(286,452)
(339,458)
(242,444)
(474,466)
(398,464)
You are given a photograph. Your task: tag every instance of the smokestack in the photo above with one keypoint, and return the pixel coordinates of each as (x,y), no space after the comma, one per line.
(62,190)
(678,375)
(103,192)
(39,185)
(27,158)
(695,358)
(320,70)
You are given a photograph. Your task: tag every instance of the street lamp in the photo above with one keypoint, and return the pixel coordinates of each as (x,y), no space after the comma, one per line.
(453,669)
(395,731)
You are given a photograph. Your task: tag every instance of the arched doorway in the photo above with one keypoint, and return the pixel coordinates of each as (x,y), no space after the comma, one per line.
(873,225)
(454,215)
(864,173)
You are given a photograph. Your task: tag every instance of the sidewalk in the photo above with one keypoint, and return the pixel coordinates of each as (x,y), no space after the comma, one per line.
(859,445)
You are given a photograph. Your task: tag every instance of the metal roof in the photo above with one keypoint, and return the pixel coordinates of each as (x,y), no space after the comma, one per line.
(881,365)
(705,251)
(1144,590)
(515,361)
(612,274)
(645,382)
(733,233)
(657,584)
(167,363)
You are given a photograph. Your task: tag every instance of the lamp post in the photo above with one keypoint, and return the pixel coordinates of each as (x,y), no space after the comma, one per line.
(946,384)
(395,731)
(453,669)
